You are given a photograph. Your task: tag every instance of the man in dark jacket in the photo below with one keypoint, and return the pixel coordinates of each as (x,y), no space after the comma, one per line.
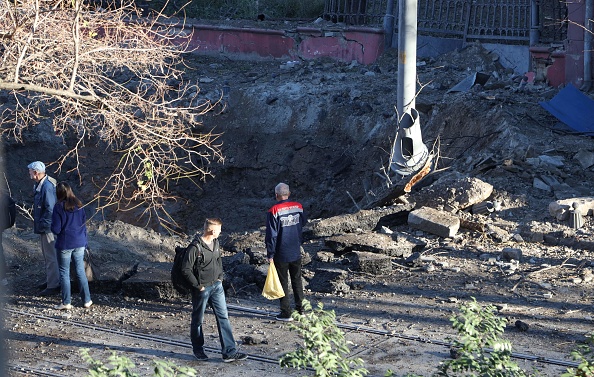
(202,266)
(284,227)
(44,200)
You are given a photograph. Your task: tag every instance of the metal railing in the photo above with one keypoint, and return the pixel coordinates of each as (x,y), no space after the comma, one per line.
(506,21)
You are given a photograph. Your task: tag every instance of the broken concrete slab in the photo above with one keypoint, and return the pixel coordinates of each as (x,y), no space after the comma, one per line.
(435,222)
(470,81)
(585,158)
(394,245)
(453,192)
(111,277)
(538,183)
(510,253)
(556,161)
(329,280)
(363,220)
(237,242)
(152,280)
(560,208)
(498,234)
(371,263)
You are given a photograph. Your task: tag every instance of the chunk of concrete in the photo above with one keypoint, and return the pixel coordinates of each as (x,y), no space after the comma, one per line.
(363,220)
(498,234)
(556,161)
(435,222)
(329,280)
(151,281)
(394,245)
(453,192)
(510,253)
(539,184)
(560,208)
(585,158)
(372,263)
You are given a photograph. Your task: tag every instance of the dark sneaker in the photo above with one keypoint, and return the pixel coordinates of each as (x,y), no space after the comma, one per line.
(201,357)
(284,318)
(236,356)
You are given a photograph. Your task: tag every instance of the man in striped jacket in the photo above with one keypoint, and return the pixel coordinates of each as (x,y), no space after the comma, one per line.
(284,226)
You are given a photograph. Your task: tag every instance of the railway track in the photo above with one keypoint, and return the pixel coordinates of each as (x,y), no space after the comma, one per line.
(160,340)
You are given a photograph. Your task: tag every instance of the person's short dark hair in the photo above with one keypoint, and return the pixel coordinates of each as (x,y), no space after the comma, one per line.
(213,221)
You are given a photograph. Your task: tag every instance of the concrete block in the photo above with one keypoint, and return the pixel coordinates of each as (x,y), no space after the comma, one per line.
(372,263)
(560,208)
(585,158)
(510,253)
(453,192)
(433,221)
(394,245)
(364,220)
(329,280)
(151,281)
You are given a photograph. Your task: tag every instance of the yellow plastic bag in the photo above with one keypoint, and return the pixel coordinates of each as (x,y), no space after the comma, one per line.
(272,288)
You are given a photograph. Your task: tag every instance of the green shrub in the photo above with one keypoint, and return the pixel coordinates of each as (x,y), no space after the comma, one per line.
(584,354)
(325,348)
(121,366)
(480,328)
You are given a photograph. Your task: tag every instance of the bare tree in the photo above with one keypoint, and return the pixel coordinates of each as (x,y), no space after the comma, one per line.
(109,74)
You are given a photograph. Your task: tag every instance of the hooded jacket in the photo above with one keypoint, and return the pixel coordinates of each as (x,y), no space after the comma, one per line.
(203,267)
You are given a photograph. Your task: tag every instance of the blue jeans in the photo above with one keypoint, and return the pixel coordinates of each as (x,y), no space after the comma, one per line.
(64,257)
(214,296)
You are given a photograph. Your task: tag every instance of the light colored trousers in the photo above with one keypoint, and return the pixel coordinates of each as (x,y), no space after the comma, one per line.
(52,269)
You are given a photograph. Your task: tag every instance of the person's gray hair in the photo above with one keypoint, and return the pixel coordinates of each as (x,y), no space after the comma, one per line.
(282,189)
(37,166)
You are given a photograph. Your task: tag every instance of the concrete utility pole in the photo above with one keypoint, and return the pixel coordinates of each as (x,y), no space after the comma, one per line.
(409,152)
(588,30)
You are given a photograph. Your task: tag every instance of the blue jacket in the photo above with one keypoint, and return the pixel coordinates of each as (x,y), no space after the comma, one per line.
(69,227)
(43,204)
(284,228)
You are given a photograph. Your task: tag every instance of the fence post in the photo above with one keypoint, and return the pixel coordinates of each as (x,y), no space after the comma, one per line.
(534,23)
(389,23)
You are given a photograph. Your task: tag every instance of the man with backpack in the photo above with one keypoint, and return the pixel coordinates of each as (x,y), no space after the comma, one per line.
(44,199)
(202,266)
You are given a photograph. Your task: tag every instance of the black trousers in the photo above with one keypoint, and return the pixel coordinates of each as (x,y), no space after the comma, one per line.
(284,270)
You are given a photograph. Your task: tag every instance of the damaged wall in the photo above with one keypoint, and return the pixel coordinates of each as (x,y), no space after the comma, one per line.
(361,44)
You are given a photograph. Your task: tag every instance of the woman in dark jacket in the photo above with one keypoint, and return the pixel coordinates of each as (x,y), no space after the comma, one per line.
(68,224)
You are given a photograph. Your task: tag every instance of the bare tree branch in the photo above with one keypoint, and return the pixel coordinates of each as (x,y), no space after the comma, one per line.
(110,75)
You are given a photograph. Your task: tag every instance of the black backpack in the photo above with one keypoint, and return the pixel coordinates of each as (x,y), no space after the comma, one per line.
(179,281)
(8,218)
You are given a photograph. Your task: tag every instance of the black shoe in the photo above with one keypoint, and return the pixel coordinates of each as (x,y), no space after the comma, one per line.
(50,292)
(284,318)
(201,356)
(236,356)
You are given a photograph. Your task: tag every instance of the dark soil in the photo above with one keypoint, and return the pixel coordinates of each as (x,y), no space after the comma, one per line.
(326,129)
